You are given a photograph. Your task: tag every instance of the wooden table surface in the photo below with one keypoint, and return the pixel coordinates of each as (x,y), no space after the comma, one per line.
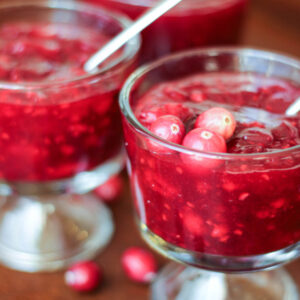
(270,24)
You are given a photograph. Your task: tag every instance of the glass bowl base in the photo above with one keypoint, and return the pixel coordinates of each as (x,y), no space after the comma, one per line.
(46,233)
(81,183)
(220,263)
(177,282)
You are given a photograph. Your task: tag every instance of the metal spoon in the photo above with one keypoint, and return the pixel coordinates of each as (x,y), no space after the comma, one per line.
(118,41)
(293,109)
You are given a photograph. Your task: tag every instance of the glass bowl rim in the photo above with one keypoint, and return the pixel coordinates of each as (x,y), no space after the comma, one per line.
(116,66)
(213,51)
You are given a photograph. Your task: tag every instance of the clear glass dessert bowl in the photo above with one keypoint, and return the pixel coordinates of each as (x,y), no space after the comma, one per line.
(61,132)
(193,23)
(218,212)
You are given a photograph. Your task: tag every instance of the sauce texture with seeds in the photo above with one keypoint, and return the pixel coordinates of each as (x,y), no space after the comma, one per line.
(243,200)
(54,129)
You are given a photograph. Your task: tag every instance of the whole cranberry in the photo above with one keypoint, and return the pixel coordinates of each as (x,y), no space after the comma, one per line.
(169,128)
(111,189)
(203,140)
(83,276)
(219,120)
(139,264)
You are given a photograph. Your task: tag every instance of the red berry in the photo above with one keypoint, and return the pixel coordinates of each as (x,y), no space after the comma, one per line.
(83,276)
(110,190)
(203,140)
(219,120)
(169,128)
(139,264)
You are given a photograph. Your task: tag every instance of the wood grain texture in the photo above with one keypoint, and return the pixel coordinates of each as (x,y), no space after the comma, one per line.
(265,27)
(275,30)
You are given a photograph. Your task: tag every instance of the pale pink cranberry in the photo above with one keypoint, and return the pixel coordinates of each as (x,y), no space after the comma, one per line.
(139,264)
(111,189)
(83,276)
(219,120)
(203,140)
(169,128)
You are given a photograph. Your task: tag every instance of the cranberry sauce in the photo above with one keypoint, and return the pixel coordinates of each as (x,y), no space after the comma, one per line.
(215,22)
(236,205)
(57,130)
(44,51)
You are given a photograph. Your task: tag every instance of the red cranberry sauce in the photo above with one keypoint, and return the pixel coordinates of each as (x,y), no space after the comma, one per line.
(239,206)
(216,22)
(58,131)
(44,51)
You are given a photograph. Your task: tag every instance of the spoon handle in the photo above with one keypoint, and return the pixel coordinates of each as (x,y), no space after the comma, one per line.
(294,108)
(117,42)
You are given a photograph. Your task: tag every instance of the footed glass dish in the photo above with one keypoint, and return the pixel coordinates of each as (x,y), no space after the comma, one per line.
(233,211)
(61,132)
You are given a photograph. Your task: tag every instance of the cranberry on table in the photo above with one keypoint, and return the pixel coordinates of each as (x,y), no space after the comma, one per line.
(219,120)
(111,189)
(139,264)
(83,276)
(169,128)
(203,140)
